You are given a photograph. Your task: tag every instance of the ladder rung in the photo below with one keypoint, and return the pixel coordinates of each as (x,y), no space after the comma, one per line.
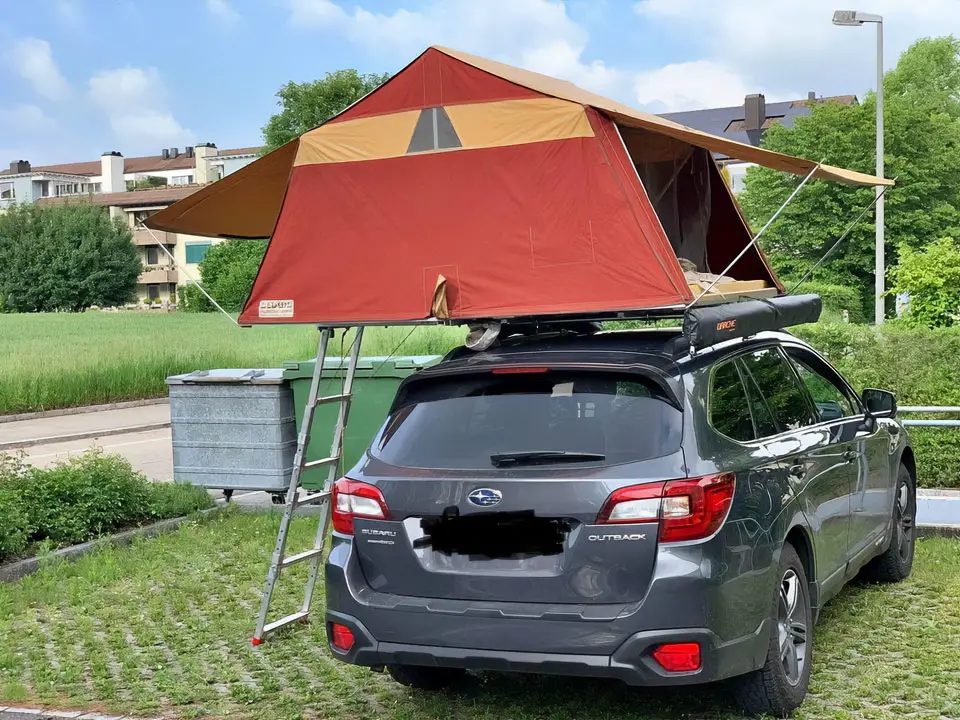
(277,624)
(313,498)
(305,555)
(318,463)
(334,398)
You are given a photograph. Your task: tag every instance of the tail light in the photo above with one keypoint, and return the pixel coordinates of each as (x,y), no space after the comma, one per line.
(354,499)
(690,509)
(341,637)
(678,657)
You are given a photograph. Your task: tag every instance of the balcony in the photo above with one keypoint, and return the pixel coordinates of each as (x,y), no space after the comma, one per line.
(150,238)
(157,274)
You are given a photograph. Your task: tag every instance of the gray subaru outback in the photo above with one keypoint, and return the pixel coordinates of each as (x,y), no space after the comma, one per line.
(612,505)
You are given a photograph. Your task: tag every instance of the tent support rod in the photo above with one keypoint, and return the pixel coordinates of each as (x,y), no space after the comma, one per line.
(843,237)
(188,275)
(755,237)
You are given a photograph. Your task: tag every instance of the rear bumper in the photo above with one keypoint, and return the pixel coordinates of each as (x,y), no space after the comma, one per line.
(632,662)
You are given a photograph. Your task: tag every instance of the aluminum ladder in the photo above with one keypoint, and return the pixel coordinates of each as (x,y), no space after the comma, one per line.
(294,500)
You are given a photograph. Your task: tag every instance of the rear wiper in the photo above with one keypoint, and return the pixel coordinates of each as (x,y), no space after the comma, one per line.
(538,457)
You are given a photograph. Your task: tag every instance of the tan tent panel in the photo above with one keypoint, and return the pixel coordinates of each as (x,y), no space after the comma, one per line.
(478,125)
(625,115)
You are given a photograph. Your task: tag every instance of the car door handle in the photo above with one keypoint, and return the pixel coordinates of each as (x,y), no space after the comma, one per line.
(797,471)
(850,455)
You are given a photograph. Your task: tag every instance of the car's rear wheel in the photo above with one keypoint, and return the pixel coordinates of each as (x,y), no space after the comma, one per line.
(425,678)
(896,562)
(780,685)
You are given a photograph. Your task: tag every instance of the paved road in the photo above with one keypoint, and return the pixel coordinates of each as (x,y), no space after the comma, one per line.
(102,421)
(149,452)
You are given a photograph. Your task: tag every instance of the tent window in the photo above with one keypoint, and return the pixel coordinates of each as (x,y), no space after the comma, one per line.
(434,131)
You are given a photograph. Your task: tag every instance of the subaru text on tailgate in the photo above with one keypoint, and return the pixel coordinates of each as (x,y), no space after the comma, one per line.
(611,505)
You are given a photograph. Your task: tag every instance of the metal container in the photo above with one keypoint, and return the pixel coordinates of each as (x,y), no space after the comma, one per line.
(374,388)
(233,429)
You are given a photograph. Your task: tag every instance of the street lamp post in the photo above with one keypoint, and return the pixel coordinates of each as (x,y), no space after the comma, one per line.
(854,18)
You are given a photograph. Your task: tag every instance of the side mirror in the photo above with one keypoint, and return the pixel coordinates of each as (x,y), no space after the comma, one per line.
(880,403)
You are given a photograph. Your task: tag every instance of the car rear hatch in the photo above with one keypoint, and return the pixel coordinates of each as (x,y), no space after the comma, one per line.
(492,485)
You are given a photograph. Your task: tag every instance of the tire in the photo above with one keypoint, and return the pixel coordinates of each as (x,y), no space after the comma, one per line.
(896,562)
(425,678)
(780,685)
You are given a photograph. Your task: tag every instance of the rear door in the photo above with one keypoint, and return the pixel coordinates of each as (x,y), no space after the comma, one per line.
(815,455)
(494,483)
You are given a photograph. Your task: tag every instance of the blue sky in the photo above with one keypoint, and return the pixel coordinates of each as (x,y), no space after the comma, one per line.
(84,76)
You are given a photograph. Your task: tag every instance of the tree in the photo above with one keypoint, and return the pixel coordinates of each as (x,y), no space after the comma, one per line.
(307,105)
(931,279)
(65,257)
(227,272)
(922,150)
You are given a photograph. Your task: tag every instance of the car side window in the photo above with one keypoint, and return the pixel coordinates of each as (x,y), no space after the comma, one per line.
(729,406)
(778,385)
(832,401)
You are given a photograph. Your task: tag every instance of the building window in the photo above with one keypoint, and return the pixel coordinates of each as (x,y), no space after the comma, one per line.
(152,256)
(140,216)
(89,188)
(7,191)
(196,251)
(153,291)
(181,180)
(70,189)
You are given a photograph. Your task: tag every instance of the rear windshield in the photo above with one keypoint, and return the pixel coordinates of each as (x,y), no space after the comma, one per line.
(472,422)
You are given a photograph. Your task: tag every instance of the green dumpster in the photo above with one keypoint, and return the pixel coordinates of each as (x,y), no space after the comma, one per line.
(374,387)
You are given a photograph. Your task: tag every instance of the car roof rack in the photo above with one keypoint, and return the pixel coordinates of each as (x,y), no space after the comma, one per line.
(702,327)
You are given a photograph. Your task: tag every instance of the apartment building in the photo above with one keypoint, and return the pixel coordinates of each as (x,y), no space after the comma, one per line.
(133,189)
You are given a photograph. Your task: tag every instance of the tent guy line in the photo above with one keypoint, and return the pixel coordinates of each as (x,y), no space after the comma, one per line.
(756,237)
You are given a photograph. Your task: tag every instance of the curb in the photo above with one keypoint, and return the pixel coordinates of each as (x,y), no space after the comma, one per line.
(19,713)
(59,412)
(23,568)
(50,439)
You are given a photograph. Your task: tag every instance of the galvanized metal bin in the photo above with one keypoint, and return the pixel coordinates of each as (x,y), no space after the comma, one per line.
(233,429)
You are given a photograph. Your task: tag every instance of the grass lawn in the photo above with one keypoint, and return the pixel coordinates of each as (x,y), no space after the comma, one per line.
(63,359)
(164,627)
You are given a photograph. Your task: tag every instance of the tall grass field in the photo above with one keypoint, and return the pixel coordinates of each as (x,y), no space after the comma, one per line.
(62,360)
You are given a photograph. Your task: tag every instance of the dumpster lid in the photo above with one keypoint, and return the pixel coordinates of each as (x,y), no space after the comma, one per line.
(367,367)
(254,376)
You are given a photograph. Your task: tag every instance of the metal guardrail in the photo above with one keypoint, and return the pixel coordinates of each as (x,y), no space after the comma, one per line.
(945,410)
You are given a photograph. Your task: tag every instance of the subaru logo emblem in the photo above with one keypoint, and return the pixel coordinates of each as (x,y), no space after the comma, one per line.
(485,497)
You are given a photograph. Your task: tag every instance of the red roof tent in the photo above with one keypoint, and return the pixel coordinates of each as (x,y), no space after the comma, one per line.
(469,189)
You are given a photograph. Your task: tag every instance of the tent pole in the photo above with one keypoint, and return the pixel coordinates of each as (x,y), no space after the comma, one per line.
(755,237)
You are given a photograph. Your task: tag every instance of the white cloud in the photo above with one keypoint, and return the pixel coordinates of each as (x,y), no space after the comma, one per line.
(25,119)
(792,45)
(688,86)
(536,34)
(223,12)
(135,102)
(70,14)
(32,59)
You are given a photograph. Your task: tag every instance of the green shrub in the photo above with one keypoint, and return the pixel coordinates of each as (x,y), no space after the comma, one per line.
(81,498)
(169,500)
(13,521)
(921,366)
(931,277)
(84,497)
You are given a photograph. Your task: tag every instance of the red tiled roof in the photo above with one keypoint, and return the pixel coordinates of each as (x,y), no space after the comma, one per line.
(135,198)
(134,164)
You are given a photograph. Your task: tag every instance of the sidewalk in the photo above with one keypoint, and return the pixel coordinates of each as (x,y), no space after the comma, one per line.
(24,433)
